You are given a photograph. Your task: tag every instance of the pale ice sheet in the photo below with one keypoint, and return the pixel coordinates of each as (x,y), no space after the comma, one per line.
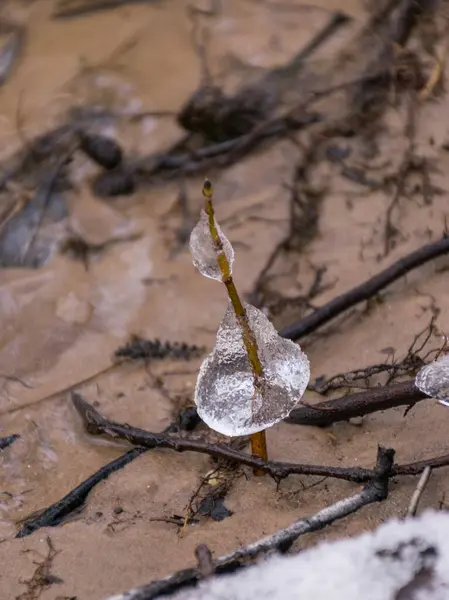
(401,559)
(433,380)
(225,393)
(204,253)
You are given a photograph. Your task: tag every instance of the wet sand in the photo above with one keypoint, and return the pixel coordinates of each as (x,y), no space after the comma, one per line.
(60,324)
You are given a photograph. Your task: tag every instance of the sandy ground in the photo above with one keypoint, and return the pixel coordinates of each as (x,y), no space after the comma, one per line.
(59,325)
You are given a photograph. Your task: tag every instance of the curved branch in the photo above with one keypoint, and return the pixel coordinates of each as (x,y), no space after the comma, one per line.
(96,424)
(357,405)
(366,290)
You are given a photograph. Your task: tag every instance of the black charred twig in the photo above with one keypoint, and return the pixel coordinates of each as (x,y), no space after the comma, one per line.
(56,513)
(357,405)
(375,491)
(7,441)
(366,290)
(59,511)
(96,424)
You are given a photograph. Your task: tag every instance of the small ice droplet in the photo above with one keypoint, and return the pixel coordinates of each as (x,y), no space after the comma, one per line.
(225,393)
(433,380)
(203,250)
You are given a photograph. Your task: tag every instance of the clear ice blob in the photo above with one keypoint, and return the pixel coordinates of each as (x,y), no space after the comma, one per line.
(226,396)
(433,380)
(203,250)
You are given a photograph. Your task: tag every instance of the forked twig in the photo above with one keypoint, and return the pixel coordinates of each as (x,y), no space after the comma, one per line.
(375,491)
(96,424)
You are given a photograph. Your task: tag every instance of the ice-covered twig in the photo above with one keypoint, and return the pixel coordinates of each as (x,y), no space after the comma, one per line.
(96,424)
(253,377)
(375,491)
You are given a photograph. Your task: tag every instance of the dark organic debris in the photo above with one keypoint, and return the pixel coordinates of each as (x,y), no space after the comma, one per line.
(138,348)
(336,153)
(187,420)
(42,577)
(116,182)
(8,440)
(209,497)
(56,513)
(214,508)
(103,150)
(219,117)
(359,176)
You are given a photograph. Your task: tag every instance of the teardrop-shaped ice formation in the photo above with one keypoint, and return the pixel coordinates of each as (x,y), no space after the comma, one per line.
(433,380)
(204,251)
(225,393)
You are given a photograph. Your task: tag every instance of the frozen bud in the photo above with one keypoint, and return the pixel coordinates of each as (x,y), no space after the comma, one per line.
(227,396)
(205,251)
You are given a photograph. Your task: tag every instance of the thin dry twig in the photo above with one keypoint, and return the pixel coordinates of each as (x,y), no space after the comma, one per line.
(411,512)
(409,365)
(366,290)
(96,424)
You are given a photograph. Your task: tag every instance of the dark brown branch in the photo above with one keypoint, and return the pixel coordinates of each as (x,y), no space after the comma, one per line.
(366,290)
(357,405)
(96,424)
(418,467)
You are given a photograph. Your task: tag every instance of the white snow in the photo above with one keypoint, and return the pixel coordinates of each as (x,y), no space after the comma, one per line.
(373,566)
